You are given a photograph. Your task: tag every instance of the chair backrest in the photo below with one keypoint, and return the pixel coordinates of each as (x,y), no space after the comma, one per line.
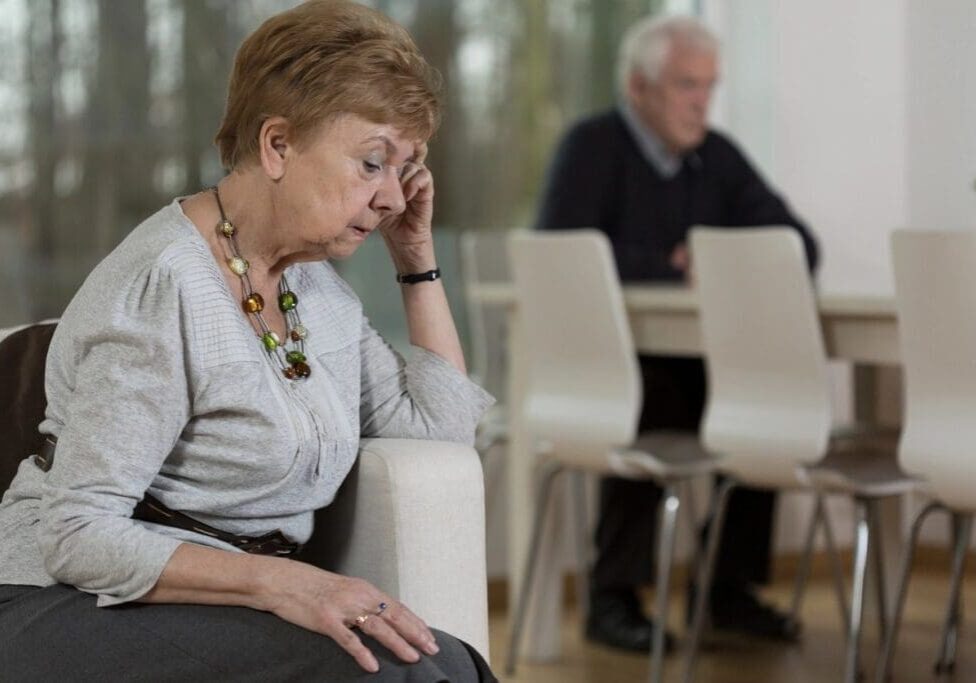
(23,354)
(484,260)
(935,281)
(768,405)
(582,392)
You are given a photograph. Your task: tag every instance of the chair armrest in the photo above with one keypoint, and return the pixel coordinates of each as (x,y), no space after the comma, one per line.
(410,519)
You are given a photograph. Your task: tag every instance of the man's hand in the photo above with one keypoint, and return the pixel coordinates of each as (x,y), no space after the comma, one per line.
(680,260)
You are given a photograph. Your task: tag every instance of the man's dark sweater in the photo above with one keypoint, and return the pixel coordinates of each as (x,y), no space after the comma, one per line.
(600,178)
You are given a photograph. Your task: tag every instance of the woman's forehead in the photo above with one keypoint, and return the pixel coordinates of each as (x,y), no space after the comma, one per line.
(357,131)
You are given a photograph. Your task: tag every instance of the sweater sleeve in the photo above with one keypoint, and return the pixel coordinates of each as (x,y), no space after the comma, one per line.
(423,398)
(753,203)
(119,353)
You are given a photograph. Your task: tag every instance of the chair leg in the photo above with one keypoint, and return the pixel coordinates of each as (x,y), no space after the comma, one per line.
(877,558)
(581,523)
(670,504)
(690,509)
(837,570)
(720,500)
(547,477)
(962,526)
(898,607)
(862,545)
(803,571)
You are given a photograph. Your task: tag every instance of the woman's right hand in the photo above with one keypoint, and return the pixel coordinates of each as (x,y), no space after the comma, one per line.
(330,604)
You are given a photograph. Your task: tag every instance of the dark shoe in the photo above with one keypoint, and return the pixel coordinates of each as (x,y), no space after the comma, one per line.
(616,620)
(738,609)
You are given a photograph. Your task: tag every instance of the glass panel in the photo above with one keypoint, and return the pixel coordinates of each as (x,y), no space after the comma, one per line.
(110,111)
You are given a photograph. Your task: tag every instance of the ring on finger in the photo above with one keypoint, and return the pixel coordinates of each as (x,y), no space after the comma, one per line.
(381,608)
(361,620)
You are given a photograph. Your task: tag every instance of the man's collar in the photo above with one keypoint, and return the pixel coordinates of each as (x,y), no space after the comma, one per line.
(651,146)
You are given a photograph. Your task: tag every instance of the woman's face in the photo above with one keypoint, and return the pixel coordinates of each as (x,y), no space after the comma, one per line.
(340,183)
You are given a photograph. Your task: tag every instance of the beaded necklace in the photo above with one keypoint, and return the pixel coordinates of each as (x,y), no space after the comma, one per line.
(293,363)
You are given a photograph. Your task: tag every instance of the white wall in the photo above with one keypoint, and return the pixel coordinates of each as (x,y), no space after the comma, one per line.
(864,115)
(817,94)
(942,114)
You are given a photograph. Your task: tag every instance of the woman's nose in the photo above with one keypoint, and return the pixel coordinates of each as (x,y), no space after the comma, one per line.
(389,197)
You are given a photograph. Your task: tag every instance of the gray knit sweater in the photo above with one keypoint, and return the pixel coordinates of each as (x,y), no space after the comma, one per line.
(156,381)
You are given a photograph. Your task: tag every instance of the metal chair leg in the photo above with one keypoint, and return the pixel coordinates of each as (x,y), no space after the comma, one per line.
(803,571)
(720,500)
(690,510)
(547,477)
(898,607)
(581,522)
(877,559)
(837,570)
(670,504)
(861,549)
(962,526)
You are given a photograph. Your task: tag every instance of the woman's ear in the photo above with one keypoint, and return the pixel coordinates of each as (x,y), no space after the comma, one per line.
(274,145)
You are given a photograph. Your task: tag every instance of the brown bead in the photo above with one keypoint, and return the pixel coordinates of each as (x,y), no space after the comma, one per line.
(302,369)
(254,303)
(290,372)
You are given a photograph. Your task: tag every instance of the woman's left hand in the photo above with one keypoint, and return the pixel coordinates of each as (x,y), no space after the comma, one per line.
(407,232)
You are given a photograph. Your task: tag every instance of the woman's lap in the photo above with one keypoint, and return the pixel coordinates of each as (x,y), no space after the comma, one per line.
(57,633)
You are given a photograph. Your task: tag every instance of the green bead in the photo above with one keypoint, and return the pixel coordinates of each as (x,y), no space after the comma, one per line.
(271,341)
(295,357)
(287,301)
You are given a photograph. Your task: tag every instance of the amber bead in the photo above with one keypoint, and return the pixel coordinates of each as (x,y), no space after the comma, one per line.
(294,357)
(254,303)
(227,228)
(302,369)
(298,333)
(287,301)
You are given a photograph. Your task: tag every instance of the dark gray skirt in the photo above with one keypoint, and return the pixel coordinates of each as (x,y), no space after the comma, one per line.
(58,634)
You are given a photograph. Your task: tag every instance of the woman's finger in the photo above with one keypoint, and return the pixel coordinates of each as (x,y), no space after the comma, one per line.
(386,635)
(421,154)
(350,642)
(418,181)
(411,627)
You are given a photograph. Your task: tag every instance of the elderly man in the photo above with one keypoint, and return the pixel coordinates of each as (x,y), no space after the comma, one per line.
(644,173)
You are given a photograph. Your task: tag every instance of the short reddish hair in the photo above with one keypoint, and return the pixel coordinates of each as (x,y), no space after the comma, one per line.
(322,59)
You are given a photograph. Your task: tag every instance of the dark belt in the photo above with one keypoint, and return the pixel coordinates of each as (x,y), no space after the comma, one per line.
(150,509)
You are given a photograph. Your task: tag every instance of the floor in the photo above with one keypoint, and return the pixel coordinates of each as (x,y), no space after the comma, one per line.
(728,659)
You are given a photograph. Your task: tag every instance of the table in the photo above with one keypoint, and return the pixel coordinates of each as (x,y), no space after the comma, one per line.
(861,329)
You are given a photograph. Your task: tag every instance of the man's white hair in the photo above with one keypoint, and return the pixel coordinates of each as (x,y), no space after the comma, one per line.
(647,44)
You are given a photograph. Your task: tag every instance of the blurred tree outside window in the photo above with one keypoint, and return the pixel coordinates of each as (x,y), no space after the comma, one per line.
(110,108)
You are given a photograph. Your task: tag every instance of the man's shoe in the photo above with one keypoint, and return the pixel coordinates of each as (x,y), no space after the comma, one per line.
(736,608)
(616,620)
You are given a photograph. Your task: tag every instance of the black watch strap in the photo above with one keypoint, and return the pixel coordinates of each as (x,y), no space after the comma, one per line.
(414,278)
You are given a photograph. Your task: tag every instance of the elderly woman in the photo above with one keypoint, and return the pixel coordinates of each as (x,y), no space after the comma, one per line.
(208,386)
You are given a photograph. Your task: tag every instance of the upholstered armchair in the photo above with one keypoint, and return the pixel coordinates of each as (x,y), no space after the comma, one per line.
(409,518)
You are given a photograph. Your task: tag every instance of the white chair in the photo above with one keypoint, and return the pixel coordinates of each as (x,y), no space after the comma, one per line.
(935,281)
(409,518)
(769,411)
(583,396)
